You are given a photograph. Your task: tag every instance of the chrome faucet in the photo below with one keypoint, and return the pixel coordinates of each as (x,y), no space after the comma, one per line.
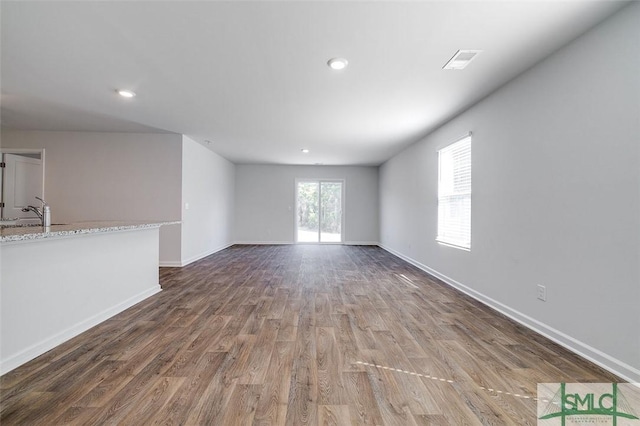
(44,215)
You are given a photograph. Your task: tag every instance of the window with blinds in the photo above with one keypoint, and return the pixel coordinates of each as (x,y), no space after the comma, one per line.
(454,194)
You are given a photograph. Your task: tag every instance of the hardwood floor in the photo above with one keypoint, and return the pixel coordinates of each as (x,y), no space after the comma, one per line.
(295,335)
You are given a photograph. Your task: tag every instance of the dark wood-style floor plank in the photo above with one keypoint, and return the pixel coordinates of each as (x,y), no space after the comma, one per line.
(295,335)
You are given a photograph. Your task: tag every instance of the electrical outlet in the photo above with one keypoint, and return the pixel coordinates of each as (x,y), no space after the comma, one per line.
(542,292)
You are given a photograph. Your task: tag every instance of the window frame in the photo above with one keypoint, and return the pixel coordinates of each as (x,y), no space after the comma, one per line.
(462,171)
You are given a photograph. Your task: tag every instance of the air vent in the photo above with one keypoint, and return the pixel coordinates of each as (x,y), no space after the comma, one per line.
(461,59)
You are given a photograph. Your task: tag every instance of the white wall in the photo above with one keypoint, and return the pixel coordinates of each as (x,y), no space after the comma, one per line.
(208,188)
(111,176)
(265,201)
(556,197)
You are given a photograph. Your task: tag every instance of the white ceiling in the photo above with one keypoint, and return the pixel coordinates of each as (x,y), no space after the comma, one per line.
(251,77)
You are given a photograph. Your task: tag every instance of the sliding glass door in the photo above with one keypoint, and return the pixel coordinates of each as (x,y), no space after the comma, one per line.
(319,211)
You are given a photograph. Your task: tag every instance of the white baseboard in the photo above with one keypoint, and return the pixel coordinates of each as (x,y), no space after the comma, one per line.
(170,264)
(39,348)
(179,264)
(606,361)
(273,243)
(264,243)
(199,256)
(361,243)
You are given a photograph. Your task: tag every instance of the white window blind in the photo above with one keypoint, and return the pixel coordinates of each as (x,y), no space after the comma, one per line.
(454,194)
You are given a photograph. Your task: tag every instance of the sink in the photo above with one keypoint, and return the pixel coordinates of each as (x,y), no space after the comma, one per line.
(20,221)
(27,225)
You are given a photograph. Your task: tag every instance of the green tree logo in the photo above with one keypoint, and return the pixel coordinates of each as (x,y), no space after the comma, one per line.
(586,403)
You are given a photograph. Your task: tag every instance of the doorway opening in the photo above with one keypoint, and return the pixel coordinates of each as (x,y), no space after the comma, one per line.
(21,181)
(319,211)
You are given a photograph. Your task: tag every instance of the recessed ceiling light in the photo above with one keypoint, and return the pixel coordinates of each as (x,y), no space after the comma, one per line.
(337,63)
(126,93)
(304,150)
(461,59)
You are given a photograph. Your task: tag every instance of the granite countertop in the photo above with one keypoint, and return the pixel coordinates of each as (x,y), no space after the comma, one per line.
(30,232)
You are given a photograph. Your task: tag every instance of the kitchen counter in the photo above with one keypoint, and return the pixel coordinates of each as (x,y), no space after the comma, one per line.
(35,232)
(58,282)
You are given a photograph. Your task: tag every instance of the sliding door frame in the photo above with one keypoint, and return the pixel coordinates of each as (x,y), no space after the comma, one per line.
(319,181)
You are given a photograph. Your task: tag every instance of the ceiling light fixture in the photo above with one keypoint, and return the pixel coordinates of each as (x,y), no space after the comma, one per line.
(126,93)
(337,63)
(304,150)
(461,59)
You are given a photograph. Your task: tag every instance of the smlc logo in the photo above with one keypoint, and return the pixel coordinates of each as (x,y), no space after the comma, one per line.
(588,403)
